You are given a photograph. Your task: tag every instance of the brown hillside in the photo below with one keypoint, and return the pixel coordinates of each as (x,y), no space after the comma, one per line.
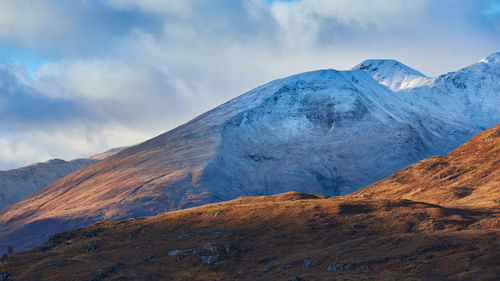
(436,220)
(277,238)
(469,175)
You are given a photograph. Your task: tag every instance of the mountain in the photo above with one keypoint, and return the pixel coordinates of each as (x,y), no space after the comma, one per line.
(17,184)
(469,175)
(329,132)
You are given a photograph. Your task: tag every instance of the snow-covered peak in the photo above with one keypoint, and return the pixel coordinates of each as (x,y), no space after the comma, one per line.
(392,74)
(493,58)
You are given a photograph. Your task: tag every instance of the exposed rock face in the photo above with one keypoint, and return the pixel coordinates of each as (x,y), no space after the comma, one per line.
(209,260)
(4,277)
(329,132)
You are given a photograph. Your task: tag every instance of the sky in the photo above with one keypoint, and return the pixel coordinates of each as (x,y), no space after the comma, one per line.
(80,77)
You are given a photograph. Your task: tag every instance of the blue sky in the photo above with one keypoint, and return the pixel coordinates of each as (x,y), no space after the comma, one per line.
(79,77)
(490,8)
(30,60)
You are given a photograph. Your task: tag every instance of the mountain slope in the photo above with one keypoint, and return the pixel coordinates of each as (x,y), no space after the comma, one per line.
(329,132)
(17,184)
(277,237)
(469,175)
(107,153)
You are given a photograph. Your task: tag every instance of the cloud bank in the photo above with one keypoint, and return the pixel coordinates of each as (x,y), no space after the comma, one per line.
(79,77)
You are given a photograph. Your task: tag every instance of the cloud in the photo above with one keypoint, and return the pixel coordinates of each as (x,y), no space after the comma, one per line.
(115,72)
(61,29)
(170,7)
(433,36)
(36,127)
(67,140)
(20,104)
(23,111)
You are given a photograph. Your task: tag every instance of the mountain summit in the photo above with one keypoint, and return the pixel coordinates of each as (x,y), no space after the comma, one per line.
(329,132)
(493,58)
(393,74)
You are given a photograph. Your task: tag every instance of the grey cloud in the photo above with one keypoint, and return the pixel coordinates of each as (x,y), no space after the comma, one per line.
(59,28)
(36,127)
(22,107)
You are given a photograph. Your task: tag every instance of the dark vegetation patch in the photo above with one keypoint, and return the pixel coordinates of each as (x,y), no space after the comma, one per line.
(439,247)
(396,204)
(494,135)
(267,260)
(451,174)
(106,272)
(404,179)
(352,209)
(462,191)
(435,165)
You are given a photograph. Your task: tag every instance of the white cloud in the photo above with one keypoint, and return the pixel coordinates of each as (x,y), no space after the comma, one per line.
(26,20)
(67,141)
(17,153)
(383,14)
(181,7)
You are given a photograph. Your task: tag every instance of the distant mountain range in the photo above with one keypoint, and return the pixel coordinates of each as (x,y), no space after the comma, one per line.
(329,132)
(17,184)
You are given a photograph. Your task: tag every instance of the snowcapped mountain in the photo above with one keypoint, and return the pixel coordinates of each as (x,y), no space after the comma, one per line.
(329,132)
(17,184)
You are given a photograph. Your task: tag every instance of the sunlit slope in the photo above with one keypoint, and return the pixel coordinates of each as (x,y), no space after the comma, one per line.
(277,238)
(469,175)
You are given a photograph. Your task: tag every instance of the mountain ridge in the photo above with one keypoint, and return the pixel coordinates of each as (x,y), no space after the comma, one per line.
(16,184)
(317,132)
